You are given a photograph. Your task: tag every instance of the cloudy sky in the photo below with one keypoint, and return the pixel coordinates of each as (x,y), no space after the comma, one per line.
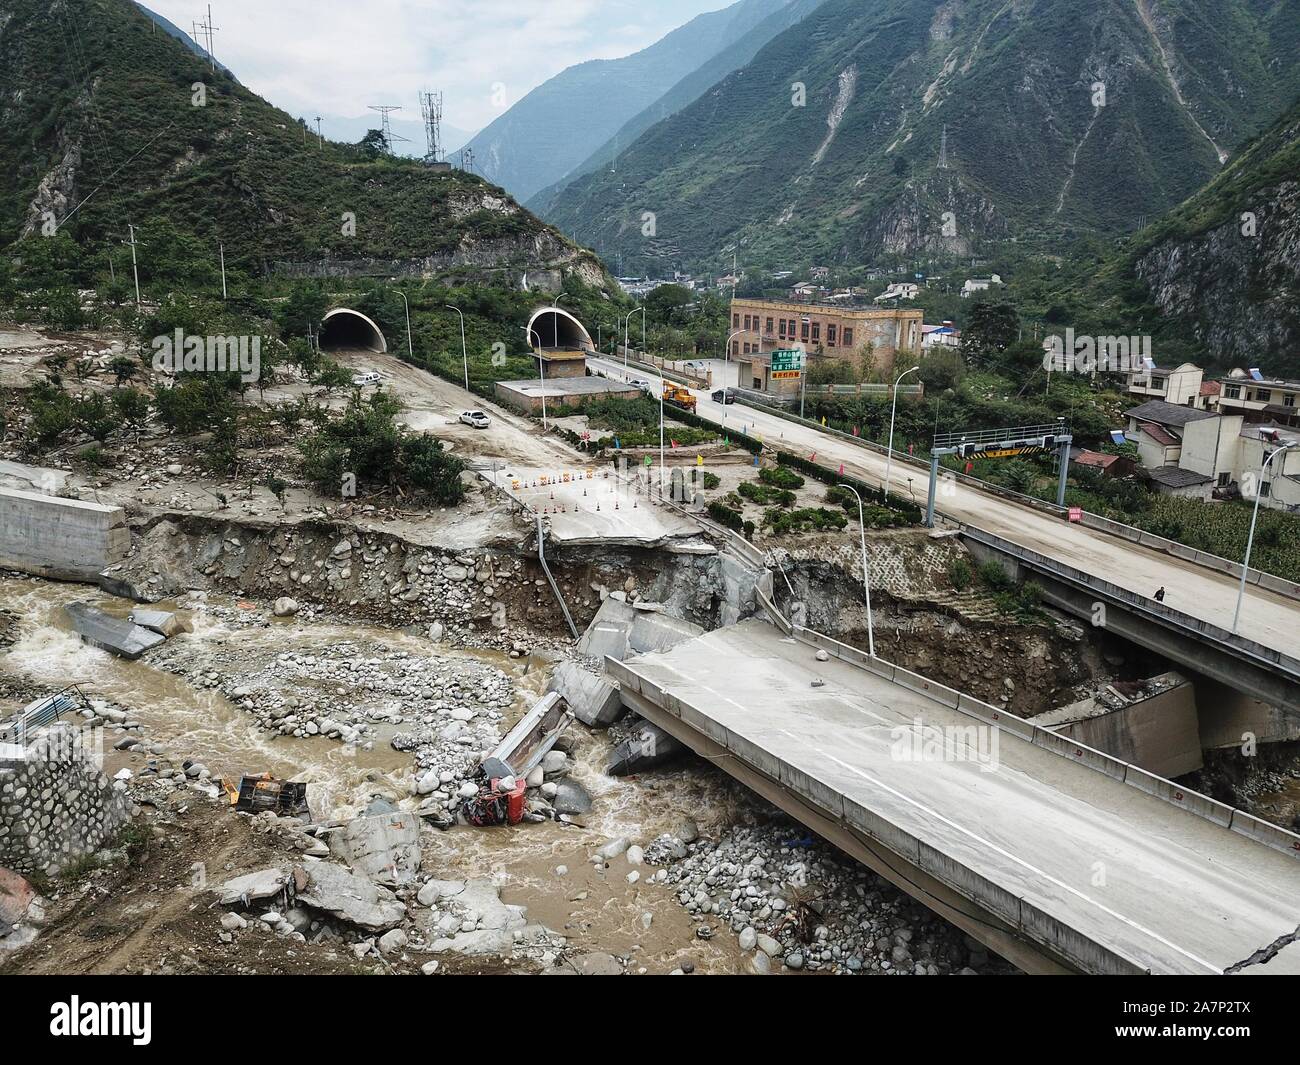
(335,57)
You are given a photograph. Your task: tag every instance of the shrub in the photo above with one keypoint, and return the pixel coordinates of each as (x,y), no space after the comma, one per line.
(764,496)
(726,516)
(711,480)
(792,521)
(994,576)
(780,477)
(960,574)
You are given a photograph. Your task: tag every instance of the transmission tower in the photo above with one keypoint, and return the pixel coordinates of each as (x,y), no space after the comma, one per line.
(386,126)
(467,159)
(431,108)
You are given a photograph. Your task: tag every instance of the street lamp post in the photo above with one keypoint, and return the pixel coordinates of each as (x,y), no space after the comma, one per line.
(1250,540)
(541,368)
(627,319)
(464,351)
(889,461)
(410,347)
(866,583)
(726,362)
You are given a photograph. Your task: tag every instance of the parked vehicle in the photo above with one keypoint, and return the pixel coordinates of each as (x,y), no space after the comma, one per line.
(645,386)
(475,419)
(370,377)
(724,396)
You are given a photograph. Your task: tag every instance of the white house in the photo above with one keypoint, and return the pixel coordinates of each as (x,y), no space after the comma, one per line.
(979,284)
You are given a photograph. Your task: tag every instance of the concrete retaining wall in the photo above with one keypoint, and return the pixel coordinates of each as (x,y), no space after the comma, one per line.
(63,539)
(56,805)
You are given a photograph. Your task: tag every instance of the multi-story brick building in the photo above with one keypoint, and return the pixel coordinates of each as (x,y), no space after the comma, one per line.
(826,330)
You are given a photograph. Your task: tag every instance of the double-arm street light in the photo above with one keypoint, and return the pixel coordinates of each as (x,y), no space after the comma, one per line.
(1250,540)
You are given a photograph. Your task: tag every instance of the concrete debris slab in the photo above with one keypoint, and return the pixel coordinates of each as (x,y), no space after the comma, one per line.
(620,629)
(648,747)
(163,622)
(385,847)
(594,699)
(108,633)
(253,887)
(351,898)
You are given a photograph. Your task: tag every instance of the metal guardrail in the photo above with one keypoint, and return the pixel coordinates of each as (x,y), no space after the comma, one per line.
(1265,656)
(1167,791)
(1109,526)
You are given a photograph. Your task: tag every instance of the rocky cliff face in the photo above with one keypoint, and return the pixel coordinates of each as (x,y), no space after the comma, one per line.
(1238,284)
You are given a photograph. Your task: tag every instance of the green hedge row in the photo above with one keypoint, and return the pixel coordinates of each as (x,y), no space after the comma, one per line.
(914,514)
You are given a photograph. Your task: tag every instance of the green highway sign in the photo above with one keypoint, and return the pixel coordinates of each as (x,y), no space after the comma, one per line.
(784,360)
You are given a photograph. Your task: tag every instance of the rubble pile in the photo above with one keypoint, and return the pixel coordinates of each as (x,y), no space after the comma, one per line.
(794,902)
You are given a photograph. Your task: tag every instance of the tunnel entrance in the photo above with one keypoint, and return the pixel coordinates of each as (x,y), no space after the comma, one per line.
(345,329)
(555,329)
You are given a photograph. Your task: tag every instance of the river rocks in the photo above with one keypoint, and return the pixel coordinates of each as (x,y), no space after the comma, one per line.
(570,798)
(801,905)
(285,607)
(472,919)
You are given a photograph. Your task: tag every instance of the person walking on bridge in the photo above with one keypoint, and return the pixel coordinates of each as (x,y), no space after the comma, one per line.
(1160,595)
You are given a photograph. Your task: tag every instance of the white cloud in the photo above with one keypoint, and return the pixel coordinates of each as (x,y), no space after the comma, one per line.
(335,58)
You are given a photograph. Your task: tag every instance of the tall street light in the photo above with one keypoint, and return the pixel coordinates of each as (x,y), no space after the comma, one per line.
(541,367)
(889,462)
(410,348)
(464,351)
(866,583)
(1250,540)
(726,362)
(627,318)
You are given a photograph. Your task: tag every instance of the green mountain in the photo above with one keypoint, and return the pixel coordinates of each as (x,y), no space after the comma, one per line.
(106,122)
(685,92)
(559,124)
(1217,279)
(877,128)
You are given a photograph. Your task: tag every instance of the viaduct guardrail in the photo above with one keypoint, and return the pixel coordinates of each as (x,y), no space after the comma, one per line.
(1267,581)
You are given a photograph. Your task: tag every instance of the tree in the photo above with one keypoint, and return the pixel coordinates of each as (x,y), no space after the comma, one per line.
(373,145)
(990,329)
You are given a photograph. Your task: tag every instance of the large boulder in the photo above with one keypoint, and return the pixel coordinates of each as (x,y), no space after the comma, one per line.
(253,887)
(351,898)
(385,846)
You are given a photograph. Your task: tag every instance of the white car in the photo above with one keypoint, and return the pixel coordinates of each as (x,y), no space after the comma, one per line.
(368,378)
(475,418)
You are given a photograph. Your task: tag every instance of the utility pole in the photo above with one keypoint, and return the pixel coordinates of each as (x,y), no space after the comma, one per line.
(135,269)
(222,247)
(208,30)
(320,139)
